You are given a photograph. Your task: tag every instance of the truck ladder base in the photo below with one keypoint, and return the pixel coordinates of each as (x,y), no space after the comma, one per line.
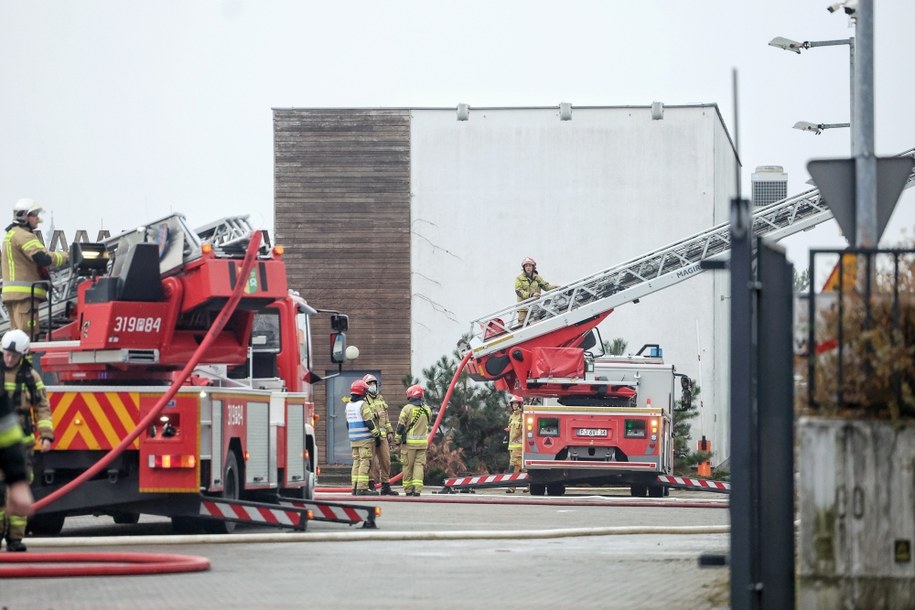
(480,482)
(258,513)
(336,512)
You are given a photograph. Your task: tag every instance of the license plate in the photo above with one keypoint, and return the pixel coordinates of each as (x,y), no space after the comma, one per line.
(591,432)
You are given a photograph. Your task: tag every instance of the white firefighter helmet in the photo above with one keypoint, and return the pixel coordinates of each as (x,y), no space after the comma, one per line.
(16,341)
(24,207)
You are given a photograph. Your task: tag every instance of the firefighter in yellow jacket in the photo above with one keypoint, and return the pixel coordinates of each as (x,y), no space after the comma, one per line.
(515,435)
(380,469)
(363,437)
(529,285)
(29,399)
(413,427)
(15,478)
(25,261)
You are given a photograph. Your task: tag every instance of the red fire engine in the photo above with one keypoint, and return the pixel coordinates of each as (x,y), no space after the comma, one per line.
(611,425)
(131,314)
(605,420)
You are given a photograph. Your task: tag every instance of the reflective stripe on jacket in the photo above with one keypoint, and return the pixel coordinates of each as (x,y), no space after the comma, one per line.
(19,269)
(420,416)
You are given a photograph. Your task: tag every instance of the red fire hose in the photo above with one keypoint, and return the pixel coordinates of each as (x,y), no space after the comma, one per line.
(438,421)
(140,563)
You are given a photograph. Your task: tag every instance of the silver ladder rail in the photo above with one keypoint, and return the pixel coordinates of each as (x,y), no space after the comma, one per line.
(228,235)
(641,276)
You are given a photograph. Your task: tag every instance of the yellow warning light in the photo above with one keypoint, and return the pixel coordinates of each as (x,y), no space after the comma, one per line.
(247,455)
(310,514)
(206,248)
(279,251)
(77,421)
(377,511)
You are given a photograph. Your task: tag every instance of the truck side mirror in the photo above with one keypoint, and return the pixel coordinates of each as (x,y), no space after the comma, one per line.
(339,322)
(338,347)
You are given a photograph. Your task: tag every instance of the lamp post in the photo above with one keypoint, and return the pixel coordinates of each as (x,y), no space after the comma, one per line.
(792,45)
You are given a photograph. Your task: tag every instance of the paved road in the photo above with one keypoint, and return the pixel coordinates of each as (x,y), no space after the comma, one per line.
(606,571)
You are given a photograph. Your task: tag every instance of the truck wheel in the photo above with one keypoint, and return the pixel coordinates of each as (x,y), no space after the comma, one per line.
(231,490)
(308,490)
(537,489)
(126,518)
(45,525)
(555,489)
(656,491)
(638,491)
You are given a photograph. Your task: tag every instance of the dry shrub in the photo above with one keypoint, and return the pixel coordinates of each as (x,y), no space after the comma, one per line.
(878,358)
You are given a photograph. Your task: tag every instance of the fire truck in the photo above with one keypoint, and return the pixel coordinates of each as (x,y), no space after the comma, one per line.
(609,424)
(128,315)
(605,419)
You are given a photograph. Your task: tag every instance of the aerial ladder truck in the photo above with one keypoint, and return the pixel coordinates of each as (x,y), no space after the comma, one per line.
(607,419)
(236,441)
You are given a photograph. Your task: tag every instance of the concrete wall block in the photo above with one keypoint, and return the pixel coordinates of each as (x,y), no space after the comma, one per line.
(857,506)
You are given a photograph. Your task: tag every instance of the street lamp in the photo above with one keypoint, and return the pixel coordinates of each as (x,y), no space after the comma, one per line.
(787,44)
(817,128)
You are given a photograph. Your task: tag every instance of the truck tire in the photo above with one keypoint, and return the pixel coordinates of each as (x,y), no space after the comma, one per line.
(638,491)
(45,525)
(125,518)
(555,489)
(656,491)
(538,489)
(231,490)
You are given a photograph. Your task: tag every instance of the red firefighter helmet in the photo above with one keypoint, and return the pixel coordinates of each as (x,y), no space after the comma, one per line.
(358,388)
(528,261)
(369,378)
(415,391)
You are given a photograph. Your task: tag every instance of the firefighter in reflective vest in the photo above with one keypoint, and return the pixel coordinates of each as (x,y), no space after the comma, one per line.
(14,484)
(29,400)
(529,285)
(381,462)
(413,428)
(515,435)
(363,437)
(25,261)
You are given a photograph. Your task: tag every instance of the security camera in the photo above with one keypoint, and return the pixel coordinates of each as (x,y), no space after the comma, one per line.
(849,6)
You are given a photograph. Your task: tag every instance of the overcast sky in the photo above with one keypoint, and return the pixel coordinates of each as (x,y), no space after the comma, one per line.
(116,113)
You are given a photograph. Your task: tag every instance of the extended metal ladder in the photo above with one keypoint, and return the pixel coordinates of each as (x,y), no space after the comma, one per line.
(641,276)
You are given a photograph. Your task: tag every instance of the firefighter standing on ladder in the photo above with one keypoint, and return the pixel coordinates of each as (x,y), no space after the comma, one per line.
(380,469)
(529,285)
(413,428)
(514,429)
(25,261)
(28,397)
(364,437)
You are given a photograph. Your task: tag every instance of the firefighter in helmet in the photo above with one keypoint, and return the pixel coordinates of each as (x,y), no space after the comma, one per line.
(364,437)
(529,285)
(515,435)
(380,469)
(29,400)
(413,427)
(25,261)
(15,478)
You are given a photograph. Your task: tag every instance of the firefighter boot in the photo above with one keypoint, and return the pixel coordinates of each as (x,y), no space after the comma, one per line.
(371,485)
(355,491)
(387,491)
(15,546)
